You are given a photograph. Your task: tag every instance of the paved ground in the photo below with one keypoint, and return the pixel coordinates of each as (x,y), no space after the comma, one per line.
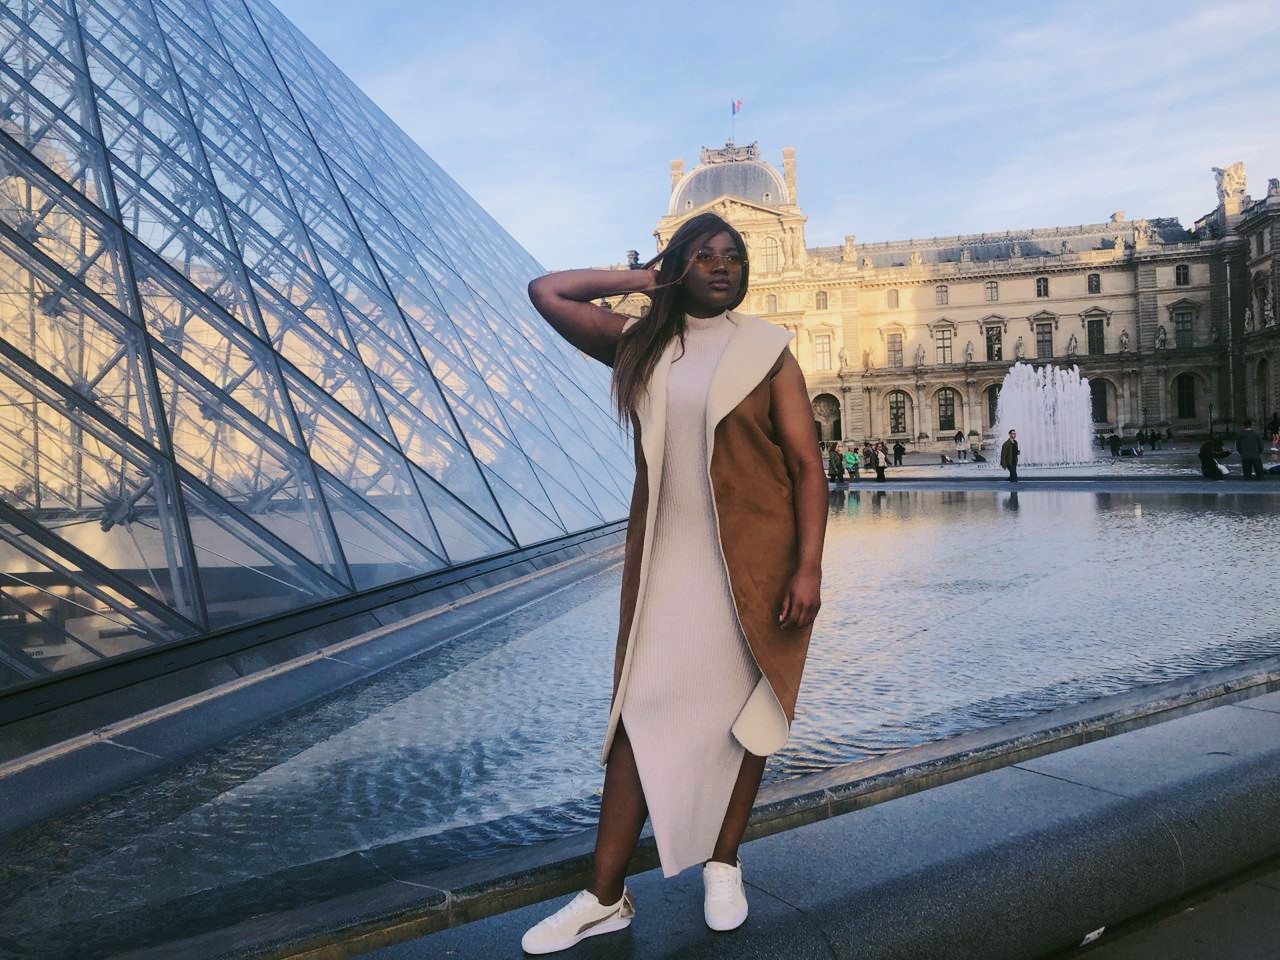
(1240,922)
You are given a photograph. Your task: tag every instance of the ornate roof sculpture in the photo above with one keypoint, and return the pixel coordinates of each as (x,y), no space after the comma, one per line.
(257,351)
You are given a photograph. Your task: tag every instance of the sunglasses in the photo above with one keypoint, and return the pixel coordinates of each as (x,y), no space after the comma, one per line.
(708,261)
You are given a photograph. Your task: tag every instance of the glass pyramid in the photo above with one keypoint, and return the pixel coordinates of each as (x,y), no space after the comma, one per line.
(257,351)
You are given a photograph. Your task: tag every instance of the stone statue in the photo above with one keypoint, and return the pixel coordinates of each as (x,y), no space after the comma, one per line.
(1017,349)
(1066,246)
(1248,316)
(1124,341)
(915,258)
(966,255)
(1072,343)
(1231,182)
(1016,250)
(633,259)
(866,263)
(1117,243)
(850,253)
(1162,337)
(1273,187)
(1213,331)
(844,358)
(919,354)
(866,359)
(968,352)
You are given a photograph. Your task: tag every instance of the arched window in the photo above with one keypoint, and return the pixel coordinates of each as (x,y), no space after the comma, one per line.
(770,303)
(772,255)
(1095,283)
(992,291)
(891,298)
(946,409)
(940,295)
(1182,275)
(1098,400)
(1042,286)
(820,300)
(897,412)
(1184,389)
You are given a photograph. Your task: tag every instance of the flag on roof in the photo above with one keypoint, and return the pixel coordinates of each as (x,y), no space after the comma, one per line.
(735,107)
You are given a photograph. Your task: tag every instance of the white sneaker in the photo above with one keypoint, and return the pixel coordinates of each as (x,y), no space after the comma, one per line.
(724,902)
(583,916)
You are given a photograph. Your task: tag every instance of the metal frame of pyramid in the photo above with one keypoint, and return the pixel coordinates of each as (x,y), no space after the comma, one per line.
(257,351)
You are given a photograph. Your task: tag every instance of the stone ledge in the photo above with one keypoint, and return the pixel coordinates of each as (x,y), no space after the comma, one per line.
(413,906)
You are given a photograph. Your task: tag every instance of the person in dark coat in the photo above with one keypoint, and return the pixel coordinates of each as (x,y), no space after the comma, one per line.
(835,463)
(1249,446)
(898,451)
(1113,442)
(1210,452)
(1009,456)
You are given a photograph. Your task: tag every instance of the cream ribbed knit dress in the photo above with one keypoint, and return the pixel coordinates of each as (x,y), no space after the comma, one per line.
(692,669)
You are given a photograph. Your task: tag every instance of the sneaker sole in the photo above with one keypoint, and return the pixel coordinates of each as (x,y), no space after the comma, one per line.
(726,926)
(610,927)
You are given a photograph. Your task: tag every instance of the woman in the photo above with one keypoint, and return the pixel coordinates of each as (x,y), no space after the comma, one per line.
(851,461)
(882,460)
(722,569)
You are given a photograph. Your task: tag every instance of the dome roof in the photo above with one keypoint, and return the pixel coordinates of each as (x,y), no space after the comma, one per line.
(751,179)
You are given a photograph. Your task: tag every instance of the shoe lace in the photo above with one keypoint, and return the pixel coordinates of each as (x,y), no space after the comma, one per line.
(721,884)
(579,904)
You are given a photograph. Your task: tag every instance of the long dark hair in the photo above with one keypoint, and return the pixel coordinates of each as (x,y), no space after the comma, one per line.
(638,351)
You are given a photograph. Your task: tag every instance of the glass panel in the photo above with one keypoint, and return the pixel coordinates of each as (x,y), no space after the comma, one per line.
(377,550)
(58,224)
(45,103)
(99,502)
(227,450)
(246,572)
(51,321)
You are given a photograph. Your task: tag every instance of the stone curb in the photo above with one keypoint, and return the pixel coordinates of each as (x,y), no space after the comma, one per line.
(414,906)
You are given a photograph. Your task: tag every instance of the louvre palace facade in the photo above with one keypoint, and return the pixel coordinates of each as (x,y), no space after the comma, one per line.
(909,340)
(258,354)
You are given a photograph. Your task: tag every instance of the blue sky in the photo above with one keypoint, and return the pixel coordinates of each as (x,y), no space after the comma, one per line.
(909,119)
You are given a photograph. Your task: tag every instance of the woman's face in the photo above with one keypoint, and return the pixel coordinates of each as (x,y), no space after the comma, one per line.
(713,277)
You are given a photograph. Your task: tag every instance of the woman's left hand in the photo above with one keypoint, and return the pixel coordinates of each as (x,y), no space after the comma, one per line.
(801,602)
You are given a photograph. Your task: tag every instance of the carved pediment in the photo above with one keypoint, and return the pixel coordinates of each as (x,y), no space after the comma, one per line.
(942,323)
(1183,305)
(1095,313)
(1044,316)
(994,320)
(893,326)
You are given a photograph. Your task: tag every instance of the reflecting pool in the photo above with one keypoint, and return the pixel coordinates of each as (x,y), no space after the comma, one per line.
(945,611)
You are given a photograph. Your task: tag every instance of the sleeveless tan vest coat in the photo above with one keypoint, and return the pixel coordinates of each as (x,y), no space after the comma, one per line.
(755,511)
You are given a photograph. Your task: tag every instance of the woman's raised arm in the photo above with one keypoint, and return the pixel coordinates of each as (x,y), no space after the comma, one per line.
(564,300)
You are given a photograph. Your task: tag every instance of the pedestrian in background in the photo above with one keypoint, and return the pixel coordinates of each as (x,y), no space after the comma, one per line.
(1249,446)
(835,463)
(1009,456)
(851,461)
(881,454)
(898,451)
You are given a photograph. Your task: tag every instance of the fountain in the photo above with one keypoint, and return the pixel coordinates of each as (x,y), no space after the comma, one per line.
(1050,408)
